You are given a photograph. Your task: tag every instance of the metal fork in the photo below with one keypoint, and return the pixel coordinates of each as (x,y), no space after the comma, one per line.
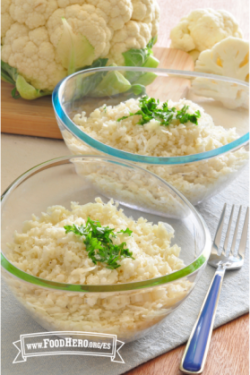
(195,353)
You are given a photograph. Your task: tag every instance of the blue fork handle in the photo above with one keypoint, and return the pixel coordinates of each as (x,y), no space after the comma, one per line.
(195,354)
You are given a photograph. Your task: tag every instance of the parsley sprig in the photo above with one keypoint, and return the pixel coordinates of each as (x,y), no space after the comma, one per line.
(99,244)
(149,110)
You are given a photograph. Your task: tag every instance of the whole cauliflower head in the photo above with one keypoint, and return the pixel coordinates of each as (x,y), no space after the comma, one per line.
(202,29)
(40,38)
(229,58)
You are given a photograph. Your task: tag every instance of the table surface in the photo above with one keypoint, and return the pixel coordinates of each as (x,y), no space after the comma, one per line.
(229,350)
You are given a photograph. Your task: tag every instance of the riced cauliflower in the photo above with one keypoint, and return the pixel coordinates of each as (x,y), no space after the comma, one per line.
(152,139)
(44,41)
(196,181)
(45,250)
(202,29)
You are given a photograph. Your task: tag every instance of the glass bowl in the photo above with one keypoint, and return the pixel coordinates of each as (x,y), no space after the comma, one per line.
(127,310)
(197,176)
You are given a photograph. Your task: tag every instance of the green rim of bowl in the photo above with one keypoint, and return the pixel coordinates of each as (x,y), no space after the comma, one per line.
(196,265)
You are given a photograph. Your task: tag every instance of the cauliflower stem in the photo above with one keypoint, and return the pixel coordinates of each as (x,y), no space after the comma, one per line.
(27,91)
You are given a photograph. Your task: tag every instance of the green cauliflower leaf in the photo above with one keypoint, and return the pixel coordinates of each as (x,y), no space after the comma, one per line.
(74,50)
(141,57)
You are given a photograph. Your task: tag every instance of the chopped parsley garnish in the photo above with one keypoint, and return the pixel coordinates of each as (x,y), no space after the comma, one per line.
(149,110)
(99,244)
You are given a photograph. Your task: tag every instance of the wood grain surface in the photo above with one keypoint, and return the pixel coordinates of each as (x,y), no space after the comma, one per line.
(37,117)
(228,354)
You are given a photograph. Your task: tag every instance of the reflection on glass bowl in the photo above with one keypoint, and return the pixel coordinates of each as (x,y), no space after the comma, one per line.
(198,175)
(128,310)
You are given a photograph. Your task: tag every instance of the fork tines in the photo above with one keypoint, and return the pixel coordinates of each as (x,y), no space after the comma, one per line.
(217,239)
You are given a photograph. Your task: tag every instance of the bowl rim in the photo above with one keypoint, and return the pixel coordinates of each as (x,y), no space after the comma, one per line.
(193,267)
(127,156)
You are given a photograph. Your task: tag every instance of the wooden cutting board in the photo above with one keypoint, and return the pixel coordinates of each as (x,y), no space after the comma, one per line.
(37,118)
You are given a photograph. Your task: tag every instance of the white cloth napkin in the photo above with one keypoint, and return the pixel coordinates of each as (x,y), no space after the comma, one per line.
(170,334)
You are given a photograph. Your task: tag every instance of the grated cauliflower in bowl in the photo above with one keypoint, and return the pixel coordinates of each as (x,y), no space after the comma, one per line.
(45,250)
(197,181)
(40,252)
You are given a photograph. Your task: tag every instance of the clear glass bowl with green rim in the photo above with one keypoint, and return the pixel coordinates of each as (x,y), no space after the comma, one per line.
(202,166)
(130,309)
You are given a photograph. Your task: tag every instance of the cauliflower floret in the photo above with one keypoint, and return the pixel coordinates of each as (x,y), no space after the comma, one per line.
(143,10)
(117,12)
(231,95)
(229,58)
(5,4)
(156,21)
(31,52)
(202,29)
(147,11)
(66,3)
(33,13)
(83,20)
(133,35)
(6,20)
